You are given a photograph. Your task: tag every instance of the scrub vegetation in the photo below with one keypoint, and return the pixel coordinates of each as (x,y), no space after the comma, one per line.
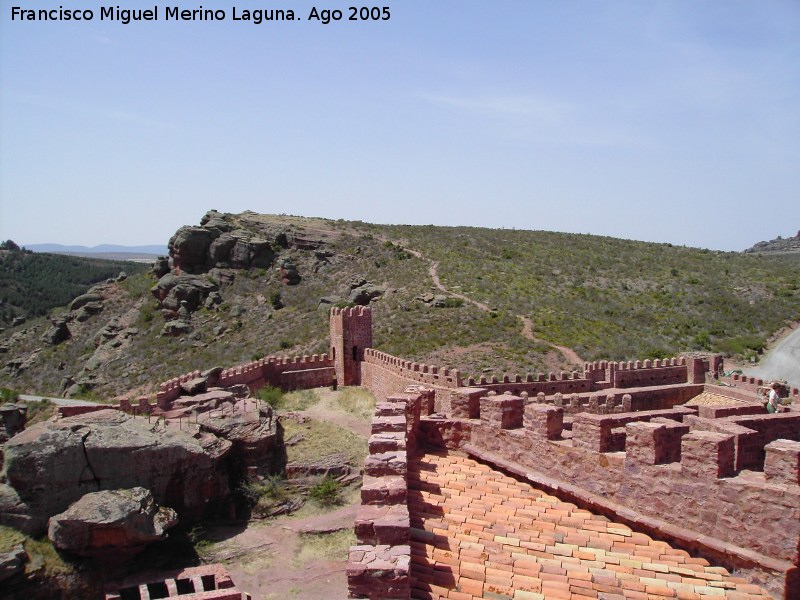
(605,298)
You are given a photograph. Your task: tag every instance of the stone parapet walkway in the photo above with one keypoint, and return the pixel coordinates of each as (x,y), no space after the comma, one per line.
(477,533)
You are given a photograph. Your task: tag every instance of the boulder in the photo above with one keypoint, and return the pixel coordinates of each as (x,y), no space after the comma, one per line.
(58,333)
(12,562)
(218,244)
(255,252)
(12,420)
(220,250)
(215,220)
(214,299)
(54,463)
(161,266)
(439,301)
(112,524)
(326,302)
(289,274)
(257,440)
(356,281)
(175,328)
(365,294)
(84,299)
(88,310)
(171,290)
(189,248)
(195,386)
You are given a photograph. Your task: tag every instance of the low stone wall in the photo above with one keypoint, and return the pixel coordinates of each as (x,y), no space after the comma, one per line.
(73,411)
(548,384)
(614,400)
(751,385)
(379,565)
(297,372)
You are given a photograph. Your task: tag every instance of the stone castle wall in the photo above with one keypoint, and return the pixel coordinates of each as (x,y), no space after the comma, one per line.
(669,472)
(297,372)
(385,375)
(379,565)
(719,481)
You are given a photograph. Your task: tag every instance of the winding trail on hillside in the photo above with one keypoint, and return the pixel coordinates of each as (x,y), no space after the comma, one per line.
(527,325)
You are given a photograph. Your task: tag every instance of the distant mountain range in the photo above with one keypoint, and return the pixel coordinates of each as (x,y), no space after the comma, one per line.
(157,250)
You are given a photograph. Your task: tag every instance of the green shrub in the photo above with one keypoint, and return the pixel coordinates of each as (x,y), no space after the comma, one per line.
(327,492)
(453,303)
(271,395)
(275,300)
(8,395)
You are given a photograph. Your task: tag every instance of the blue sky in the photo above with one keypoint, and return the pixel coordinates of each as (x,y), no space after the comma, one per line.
(661,121)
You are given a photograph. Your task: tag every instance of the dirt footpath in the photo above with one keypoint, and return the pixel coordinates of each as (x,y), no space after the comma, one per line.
(782,361)
(301,556)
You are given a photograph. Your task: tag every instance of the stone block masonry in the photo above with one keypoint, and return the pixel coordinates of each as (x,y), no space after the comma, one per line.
(379,565)
(298,372)
(679,484)
(351,335)
(722,483)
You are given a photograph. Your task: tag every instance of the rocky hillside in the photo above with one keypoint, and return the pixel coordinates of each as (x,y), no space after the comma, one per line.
(243,286)
(778,245)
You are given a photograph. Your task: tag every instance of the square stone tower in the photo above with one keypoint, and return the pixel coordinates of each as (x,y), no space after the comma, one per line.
(351,333)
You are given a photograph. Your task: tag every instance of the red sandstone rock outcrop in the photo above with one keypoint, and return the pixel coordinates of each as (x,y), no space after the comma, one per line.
(257,440)
(53,464)
(111,525)
(218,243)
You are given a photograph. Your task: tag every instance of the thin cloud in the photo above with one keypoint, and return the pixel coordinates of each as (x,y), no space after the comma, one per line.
(111,114)
(527,106)
(535,118)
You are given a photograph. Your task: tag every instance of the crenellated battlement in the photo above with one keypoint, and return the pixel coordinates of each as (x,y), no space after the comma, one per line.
(659,469)
(751,384)
(418,372)
(280,371)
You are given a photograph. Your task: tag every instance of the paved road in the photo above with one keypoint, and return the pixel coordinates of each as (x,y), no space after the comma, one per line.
(782,362)
(58,401)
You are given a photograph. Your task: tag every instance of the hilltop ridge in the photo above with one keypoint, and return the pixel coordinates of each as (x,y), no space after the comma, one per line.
(242,286)
(778,245)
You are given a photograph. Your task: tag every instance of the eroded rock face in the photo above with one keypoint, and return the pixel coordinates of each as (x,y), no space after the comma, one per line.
(111,525)
(53,464)
(216,243)
(257,440)
(12,562)
(58,333)
(12,420)
(172,290)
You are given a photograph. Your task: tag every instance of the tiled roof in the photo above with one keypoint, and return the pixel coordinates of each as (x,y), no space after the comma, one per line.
(477,533)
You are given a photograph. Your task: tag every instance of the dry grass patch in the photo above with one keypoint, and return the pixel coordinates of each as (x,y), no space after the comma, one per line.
(357,401)
(320,439)
(323,546)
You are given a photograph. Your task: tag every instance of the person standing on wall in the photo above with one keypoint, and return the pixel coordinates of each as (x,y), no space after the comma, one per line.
(774,399)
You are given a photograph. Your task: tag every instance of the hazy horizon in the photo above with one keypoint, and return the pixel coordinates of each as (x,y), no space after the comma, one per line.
(667,121)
